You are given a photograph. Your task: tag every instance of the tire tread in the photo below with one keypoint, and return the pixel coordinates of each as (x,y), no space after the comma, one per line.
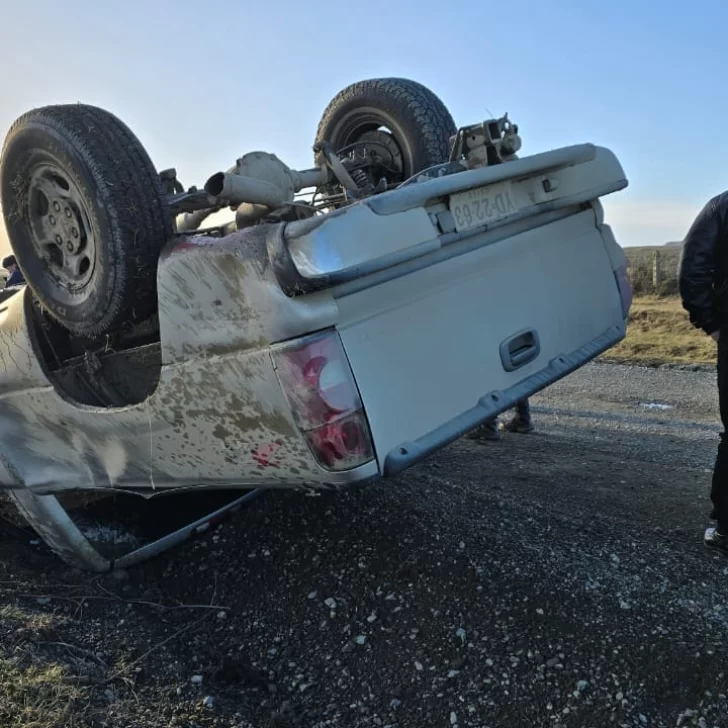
(402,98)
(129,189)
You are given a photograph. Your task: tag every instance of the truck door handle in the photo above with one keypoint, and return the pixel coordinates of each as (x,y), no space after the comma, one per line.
(520,349)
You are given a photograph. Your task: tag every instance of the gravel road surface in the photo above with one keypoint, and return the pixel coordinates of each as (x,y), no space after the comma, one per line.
(555,579)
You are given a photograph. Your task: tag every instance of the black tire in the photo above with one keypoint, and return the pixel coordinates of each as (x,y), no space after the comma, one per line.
(417,119)
(93,265)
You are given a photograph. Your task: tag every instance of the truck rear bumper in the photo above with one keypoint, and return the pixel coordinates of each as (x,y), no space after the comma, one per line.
(493,403)
(382,232)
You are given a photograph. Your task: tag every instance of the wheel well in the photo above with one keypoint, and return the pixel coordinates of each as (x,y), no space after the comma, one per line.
(116,370)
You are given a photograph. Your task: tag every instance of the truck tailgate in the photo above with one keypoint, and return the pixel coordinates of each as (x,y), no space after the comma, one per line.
(444,346)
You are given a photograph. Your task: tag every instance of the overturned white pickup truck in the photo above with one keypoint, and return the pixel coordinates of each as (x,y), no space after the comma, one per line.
(320,339)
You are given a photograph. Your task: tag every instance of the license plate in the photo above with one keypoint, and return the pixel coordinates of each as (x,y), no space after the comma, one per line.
(483,206)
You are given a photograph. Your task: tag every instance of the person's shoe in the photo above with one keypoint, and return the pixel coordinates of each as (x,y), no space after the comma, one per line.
(521,425)
(487,431)
(715,540)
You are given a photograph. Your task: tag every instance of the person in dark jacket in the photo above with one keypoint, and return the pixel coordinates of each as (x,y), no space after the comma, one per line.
(703,285)
(521,423)
(15,277)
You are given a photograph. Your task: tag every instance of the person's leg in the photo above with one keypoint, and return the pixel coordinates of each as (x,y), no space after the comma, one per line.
(521,421)
(719,490)
(487,431)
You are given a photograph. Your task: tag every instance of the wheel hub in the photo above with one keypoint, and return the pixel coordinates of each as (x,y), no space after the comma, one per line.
(60,227)
(384,151)
(376,151)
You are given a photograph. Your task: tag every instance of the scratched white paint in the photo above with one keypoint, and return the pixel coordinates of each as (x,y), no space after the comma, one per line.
(113,457)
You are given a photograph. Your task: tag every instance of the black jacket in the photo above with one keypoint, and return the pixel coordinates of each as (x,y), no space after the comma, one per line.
(15,279)
(702,275)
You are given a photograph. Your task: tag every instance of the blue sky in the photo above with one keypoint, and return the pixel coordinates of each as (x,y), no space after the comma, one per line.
(203,82)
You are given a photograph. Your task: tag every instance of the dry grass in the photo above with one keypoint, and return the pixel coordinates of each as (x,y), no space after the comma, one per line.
(38,695)
(659,331)
(36,689)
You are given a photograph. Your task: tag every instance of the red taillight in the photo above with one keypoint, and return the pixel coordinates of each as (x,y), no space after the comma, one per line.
(317,380)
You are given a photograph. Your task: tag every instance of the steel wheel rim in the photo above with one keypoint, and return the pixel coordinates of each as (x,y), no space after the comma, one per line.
(60,227)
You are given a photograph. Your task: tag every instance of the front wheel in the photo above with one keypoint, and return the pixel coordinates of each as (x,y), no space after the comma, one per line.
(85,213)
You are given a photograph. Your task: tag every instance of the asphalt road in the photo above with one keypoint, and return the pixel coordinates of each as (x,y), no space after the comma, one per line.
(555,579)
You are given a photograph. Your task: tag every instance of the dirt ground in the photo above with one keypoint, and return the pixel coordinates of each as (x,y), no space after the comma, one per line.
(554,579)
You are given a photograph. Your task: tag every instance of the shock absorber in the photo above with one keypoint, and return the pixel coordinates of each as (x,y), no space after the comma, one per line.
(361,178)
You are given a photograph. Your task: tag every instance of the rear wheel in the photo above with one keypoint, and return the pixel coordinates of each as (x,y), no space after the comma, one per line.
(85,214)
(401,125)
